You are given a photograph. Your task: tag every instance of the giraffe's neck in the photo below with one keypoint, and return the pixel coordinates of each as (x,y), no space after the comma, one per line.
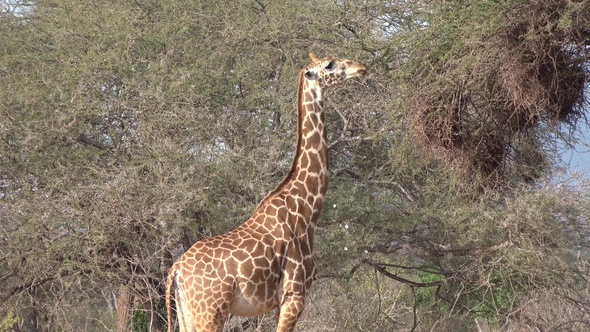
(307,179)
(311,157)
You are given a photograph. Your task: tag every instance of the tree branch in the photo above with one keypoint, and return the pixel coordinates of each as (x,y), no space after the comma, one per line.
(379,267)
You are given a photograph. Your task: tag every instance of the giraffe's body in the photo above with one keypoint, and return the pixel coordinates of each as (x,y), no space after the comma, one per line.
(267,262)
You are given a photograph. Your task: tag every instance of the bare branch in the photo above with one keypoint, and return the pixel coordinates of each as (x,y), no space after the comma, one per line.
(382,269)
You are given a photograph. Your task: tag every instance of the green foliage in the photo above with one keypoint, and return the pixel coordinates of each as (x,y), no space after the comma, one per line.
(141,321)
(497,301)
(425,295)
(8,322)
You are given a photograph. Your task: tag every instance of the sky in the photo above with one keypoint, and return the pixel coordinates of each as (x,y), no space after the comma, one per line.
(578,158)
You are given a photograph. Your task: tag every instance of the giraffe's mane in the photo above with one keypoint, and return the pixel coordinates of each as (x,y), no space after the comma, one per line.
(293,167)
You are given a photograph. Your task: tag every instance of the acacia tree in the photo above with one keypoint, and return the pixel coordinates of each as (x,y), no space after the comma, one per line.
(132,130)
(486,90)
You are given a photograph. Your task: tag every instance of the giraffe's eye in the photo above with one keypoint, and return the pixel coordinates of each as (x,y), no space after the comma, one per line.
(330,65)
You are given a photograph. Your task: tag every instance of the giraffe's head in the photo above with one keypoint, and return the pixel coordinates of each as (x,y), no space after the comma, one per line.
(332,70)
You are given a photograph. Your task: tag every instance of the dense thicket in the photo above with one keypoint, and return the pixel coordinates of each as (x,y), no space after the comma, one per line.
(491,81)
(132,129)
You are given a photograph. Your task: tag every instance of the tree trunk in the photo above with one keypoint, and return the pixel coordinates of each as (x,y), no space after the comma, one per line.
(123,308)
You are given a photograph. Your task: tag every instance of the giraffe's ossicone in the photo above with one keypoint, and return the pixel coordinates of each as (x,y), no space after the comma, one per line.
(266,263)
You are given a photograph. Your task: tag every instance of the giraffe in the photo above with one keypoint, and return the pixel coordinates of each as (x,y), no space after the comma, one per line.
(267,262)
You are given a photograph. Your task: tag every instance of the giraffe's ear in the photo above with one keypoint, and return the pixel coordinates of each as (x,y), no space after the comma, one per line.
(313,57)
(310,75)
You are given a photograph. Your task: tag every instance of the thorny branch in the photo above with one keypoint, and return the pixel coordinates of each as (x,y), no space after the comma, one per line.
(381,268)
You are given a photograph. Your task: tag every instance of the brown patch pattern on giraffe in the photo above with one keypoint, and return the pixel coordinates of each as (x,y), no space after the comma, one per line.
(266,263)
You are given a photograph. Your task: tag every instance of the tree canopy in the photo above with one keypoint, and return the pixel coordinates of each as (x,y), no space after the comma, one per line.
(132,129)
